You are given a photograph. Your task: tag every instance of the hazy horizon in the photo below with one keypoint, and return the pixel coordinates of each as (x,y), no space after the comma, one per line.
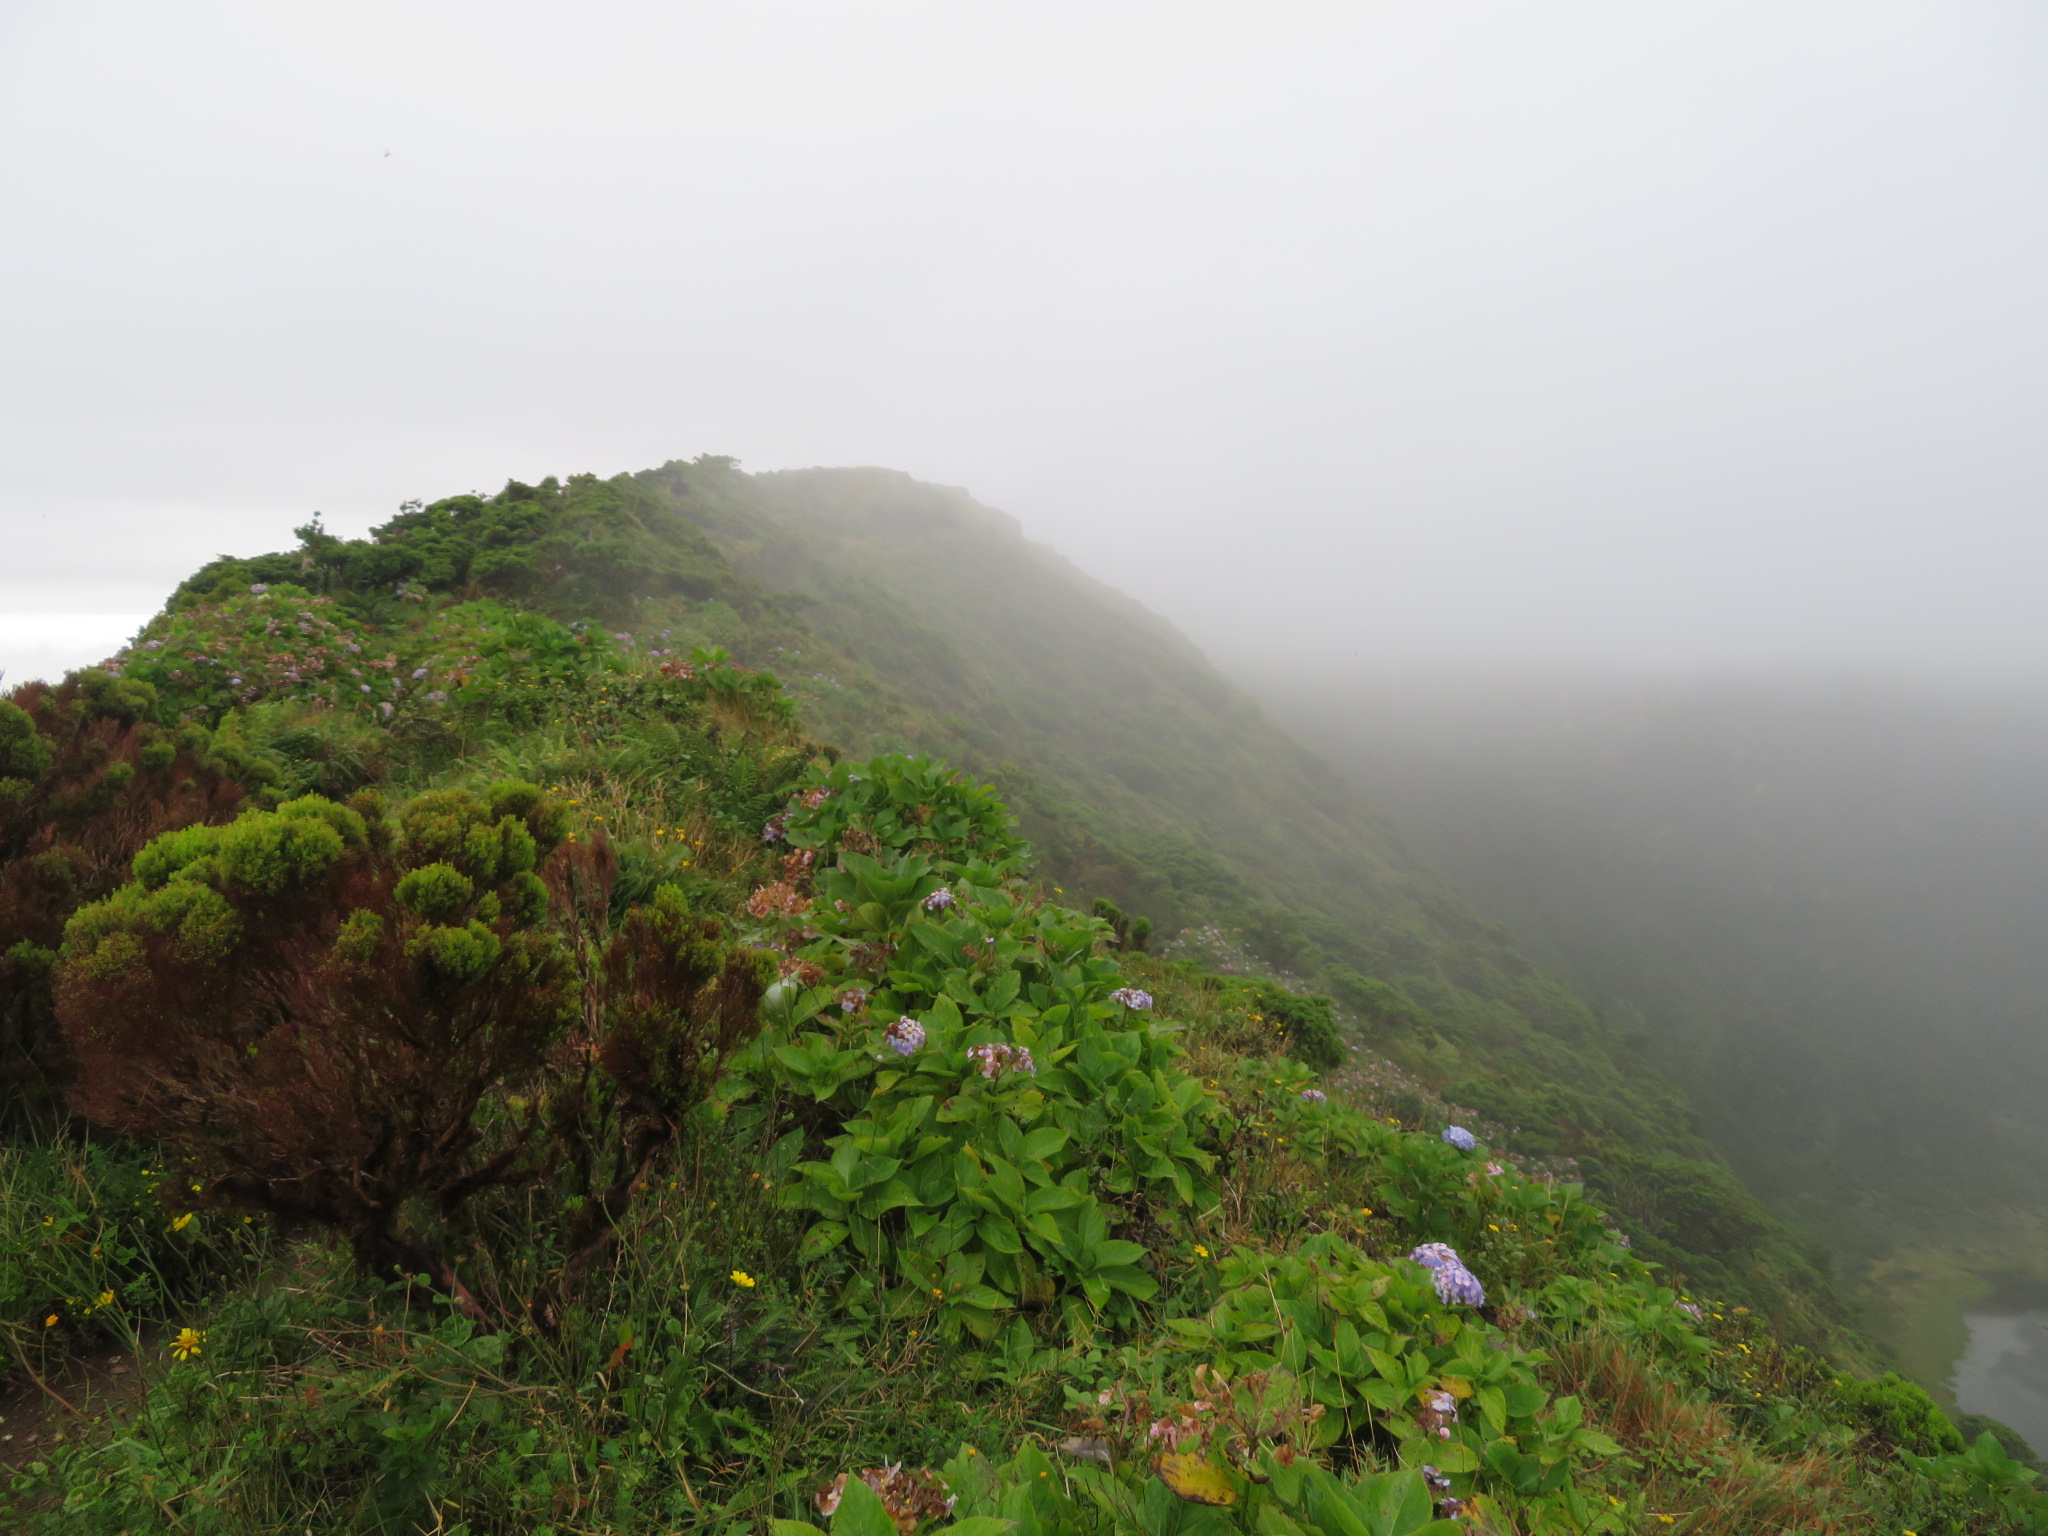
(1655,338)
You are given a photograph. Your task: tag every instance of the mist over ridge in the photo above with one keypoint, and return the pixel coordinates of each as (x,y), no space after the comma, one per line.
(1822,897)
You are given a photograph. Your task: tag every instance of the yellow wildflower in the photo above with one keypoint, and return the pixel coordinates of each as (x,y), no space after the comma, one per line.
(50,1321)
(741,1277)
(182,1222)
(187,1343)
(106,1298)
(1201,1252)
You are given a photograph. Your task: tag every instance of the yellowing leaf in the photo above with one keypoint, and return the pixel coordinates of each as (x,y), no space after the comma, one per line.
(1195,1479)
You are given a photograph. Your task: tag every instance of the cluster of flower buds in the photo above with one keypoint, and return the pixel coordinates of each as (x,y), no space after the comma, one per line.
(1454,1282)
(1315,1096)
(1441,1487)
(1439,1413)
(997,1058)
(940,900)
(778,899)
(1132,997)
(904,1036)
(1459,1137)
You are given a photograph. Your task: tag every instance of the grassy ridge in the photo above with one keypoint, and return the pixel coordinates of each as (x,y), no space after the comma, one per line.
(905,616)
(1020,1272)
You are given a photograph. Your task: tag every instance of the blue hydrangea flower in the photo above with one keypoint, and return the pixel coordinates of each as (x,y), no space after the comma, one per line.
(1433,1255)
(1455,1284)
(1315,1095)
(939,900)
(904,1036)
(1460,1138)
(1132,997)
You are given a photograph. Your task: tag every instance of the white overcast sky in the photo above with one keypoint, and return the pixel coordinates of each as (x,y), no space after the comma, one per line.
(1644,333)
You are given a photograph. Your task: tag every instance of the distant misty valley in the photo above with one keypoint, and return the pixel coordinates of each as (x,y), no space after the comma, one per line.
(1821,904)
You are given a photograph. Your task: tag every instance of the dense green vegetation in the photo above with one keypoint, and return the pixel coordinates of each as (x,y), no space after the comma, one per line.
(520,1080)
(905,617)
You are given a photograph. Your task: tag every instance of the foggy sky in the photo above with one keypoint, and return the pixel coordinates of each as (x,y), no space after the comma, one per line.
(1651,334)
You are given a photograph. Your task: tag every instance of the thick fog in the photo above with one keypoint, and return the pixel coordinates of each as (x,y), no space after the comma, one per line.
(1822,900)
(1651,334)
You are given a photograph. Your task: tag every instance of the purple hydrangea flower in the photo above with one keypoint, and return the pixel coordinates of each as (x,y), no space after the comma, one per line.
(1315,1096)
(1434,1255)
(1135,998)
(940,900)
(904,1036)
(853,999)
(1457,1284)
(772,833)
(1460,1138)
(996,1059)
(259,588)
(419,672)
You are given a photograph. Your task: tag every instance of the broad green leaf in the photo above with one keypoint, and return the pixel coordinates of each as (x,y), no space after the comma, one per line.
(861,1512)
(1042,1143)
(823,1237)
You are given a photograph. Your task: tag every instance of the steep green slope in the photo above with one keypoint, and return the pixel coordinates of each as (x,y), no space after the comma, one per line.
(904,615)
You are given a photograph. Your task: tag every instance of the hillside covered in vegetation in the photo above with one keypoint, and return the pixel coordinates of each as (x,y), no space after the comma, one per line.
(513,1024)
(1820,896)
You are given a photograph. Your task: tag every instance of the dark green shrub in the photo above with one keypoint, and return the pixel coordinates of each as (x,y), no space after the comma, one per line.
(1308,1030)
(1898,1414)
(334,1019)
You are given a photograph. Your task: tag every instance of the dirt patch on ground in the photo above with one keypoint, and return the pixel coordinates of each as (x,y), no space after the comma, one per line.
(49,1406)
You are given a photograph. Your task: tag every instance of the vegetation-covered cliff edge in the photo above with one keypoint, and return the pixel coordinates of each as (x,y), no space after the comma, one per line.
(560,1052)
